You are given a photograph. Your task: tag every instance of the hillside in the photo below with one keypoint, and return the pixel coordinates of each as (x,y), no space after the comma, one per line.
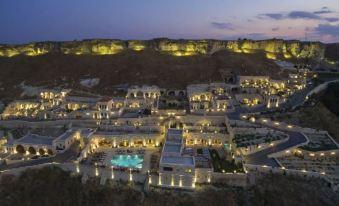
(46,186)
(164,62)
(128,67)
(323,115)
(332,51)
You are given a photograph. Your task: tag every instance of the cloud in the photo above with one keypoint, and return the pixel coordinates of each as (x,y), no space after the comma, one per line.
(324,10)
(332,19)
(222,25)
(275,16)
(302,15)
(275,29)
(327,29)
(291,15)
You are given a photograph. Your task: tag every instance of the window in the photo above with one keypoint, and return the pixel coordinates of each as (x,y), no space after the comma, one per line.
(167,168)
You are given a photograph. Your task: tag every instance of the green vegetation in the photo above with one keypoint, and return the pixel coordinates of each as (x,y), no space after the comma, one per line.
(224,165)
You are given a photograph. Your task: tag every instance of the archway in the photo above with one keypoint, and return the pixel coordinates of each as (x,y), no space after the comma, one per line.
(41,151)
(20,149)
(31,150)
(171,93)
(50,152)
(140,94)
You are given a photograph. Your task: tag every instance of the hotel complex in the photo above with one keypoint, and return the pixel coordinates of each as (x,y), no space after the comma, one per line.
(171,138)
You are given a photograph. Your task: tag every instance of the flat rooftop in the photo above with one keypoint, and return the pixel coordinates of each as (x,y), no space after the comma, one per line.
(172,148)
(66,135)
(174,140)
(197,88)
(184,161)
(174,135)
(175,131)
(34,139)
(85,132)
(120,132)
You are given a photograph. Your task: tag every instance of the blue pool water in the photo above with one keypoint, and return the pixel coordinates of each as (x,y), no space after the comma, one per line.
(130,161)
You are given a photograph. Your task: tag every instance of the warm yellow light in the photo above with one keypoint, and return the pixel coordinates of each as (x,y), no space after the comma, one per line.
(96,172)
(130,175)
(271,56)
(77,168)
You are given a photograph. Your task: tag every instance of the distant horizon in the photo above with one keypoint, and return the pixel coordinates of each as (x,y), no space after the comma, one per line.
(156,38)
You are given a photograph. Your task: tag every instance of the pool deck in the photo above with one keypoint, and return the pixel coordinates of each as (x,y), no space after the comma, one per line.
(110,152)
(128,161)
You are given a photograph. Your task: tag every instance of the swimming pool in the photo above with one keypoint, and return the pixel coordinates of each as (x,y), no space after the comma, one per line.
(130,161)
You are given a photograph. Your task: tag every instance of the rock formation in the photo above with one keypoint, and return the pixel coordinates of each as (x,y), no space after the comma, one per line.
(273,48)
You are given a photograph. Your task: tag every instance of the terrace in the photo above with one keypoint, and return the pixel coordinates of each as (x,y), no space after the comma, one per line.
(138,160)
(325,164)
(203,158)
(245,140)
(320,142)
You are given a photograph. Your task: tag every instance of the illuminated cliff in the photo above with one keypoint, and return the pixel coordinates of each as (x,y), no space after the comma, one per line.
(95,47)
(273,48)
(182,47)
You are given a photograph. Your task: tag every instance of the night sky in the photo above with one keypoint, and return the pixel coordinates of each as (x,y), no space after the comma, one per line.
(23,21)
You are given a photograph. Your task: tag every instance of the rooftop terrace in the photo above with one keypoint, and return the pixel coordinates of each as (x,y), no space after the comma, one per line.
(184,161)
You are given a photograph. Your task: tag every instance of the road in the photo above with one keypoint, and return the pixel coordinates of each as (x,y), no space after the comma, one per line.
(295,138)
(261,158)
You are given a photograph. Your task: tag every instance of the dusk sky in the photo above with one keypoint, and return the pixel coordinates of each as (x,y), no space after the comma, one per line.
(39,20)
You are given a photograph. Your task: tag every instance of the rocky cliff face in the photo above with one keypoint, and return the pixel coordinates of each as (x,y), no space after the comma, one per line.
(273,48)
